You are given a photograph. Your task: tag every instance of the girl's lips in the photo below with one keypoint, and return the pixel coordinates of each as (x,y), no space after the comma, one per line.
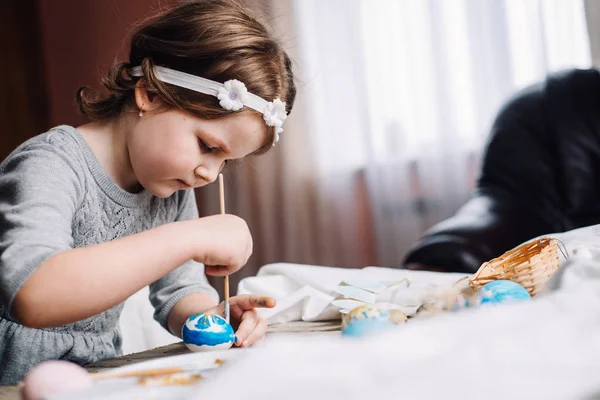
(182,184)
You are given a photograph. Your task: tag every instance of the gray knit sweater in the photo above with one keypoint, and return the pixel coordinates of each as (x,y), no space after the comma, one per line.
(55,196)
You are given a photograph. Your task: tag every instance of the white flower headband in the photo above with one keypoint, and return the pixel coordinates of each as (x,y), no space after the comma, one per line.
(232,94)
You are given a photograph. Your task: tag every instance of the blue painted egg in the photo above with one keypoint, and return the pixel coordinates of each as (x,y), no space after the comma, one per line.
(502,291)
(364,320)
(205,331)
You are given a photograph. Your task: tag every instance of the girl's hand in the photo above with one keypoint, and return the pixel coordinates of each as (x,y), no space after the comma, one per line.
(222,242)
(250,326)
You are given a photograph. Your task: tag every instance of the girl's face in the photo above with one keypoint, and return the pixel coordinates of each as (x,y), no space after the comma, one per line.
(172,150)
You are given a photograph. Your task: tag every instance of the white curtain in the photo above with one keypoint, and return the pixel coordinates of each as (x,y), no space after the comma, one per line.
(399,97)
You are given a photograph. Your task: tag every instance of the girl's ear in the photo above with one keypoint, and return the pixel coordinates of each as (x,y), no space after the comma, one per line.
(145,100)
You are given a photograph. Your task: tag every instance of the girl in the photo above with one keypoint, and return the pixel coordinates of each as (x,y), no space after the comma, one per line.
(90,215)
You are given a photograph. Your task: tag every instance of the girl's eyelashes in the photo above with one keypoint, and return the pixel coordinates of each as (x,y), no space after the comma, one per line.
(204,147)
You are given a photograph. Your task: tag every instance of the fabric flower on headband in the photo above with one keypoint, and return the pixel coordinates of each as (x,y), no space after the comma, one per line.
(274,115)
(232,95)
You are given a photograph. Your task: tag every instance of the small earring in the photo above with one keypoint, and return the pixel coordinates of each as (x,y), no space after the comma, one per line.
(141,113)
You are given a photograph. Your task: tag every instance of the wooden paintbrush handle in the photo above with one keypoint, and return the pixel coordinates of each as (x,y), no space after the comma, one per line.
(226,288)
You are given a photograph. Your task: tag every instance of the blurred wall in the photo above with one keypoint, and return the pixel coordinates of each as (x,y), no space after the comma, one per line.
(52,47)
(80,39)
(23,98)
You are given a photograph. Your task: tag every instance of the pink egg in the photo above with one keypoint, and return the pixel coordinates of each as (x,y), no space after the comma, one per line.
(52,377)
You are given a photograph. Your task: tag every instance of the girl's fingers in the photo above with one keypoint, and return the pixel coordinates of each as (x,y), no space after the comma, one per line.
(257,334)
(248,322)
(250,301)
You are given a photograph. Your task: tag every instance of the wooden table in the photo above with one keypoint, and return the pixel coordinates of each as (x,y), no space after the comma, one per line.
(293,328)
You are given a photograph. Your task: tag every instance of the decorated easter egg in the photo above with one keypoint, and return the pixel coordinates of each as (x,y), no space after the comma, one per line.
(364,320)
(502,291)
(206,331)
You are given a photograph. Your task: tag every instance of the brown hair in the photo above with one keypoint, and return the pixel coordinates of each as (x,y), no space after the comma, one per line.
(214,39)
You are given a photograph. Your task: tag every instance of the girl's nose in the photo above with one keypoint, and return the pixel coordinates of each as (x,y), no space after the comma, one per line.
(207,174)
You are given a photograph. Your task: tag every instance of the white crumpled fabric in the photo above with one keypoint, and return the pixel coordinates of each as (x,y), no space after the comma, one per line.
(304,292)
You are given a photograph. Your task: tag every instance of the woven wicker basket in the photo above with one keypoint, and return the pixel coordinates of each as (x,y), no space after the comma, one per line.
(530,265)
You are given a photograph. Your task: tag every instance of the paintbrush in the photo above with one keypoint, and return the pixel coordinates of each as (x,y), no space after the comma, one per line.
(226,279)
